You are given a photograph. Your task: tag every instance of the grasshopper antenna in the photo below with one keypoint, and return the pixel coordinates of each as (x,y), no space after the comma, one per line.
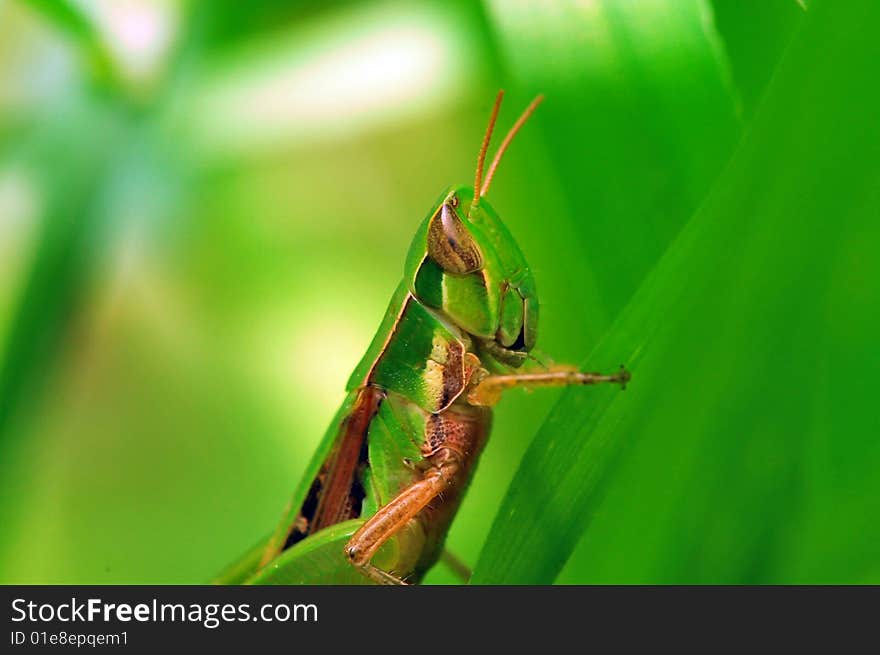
(504,144)
(481,159)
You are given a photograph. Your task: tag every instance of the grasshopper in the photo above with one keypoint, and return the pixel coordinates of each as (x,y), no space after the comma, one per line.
(381,491)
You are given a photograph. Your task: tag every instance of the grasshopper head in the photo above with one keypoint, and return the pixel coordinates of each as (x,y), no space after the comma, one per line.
(467,265)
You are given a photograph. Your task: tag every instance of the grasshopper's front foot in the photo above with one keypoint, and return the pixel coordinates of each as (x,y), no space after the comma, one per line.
(622,377)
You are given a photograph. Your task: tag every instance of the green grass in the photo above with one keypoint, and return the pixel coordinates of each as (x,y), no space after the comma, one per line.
(752,367)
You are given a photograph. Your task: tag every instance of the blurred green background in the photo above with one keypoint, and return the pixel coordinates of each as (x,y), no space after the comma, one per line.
(205,206)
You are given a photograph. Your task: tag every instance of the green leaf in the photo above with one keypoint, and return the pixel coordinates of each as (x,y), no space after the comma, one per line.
(69,19)
(70,166)
(638,120)
(755,35)
(754,358)
(320,559)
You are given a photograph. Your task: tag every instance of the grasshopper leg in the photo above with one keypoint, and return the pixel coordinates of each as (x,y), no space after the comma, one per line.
(392,517)
(487,391)
(455,564)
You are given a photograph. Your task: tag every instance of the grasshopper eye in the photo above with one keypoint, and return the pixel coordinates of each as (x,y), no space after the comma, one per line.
(450,244)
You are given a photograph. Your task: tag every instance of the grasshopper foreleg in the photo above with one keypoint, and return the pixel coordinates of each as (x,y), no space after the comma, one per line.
(488,390)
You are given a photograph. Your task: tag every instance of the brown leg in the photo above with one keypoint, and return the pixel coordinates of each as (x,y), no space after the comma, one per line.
(488,391)
(454,563)
(390,518)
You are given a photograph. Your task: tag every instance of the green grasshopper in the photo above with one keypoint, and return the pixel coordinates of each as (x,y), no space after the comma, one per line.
(381,491)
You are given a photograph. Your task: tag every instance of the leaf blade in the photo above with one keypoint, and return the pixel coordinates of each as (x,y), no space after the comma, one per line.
(706,337)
